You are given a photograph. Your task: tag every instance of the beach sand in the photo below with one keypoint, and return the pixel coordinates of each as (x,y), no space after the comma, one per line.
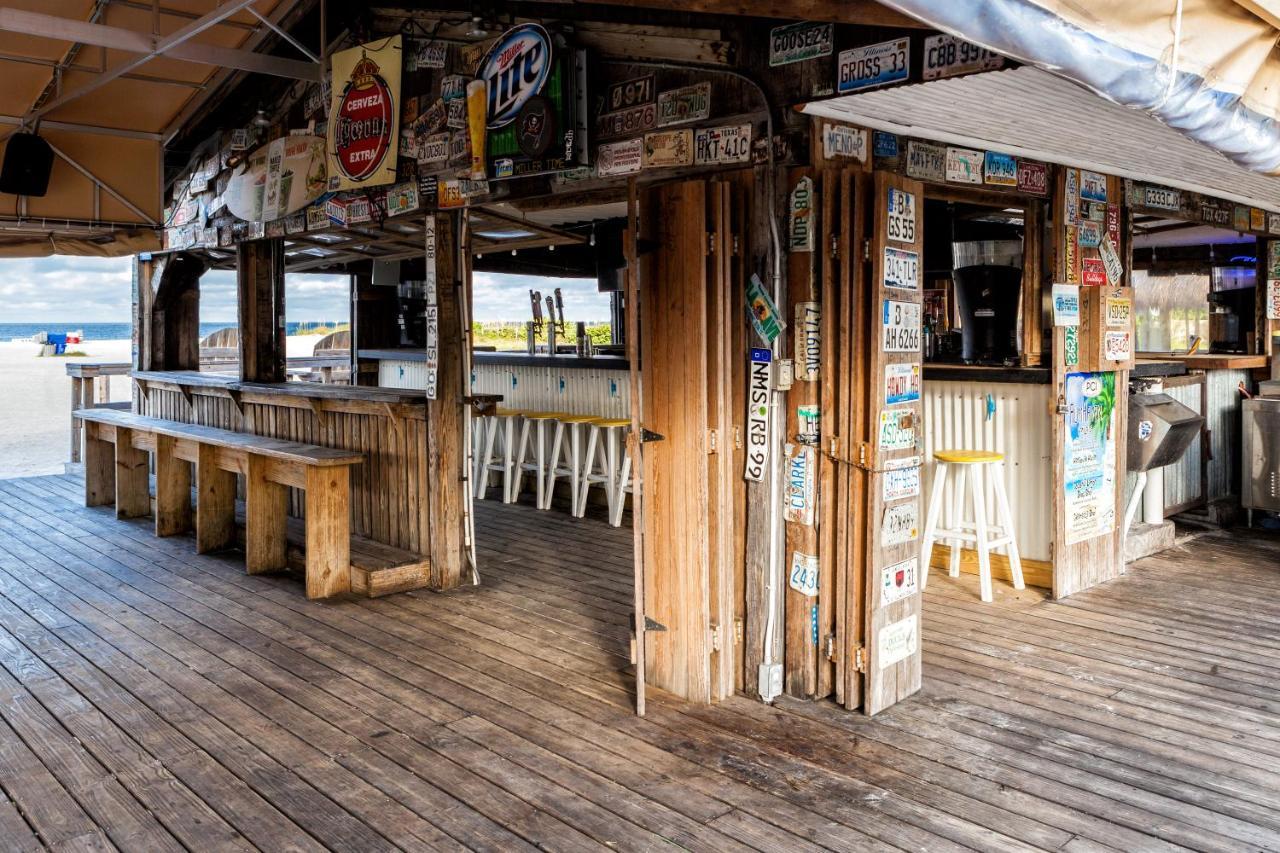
(35,401)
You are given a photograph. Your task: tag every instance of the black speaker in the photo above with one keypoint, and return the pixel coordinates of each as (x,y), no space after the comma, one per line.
(28,159)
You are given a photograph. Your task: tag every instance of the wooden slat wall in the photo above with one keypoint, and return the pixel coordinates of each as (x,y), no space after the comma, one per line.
(387,491)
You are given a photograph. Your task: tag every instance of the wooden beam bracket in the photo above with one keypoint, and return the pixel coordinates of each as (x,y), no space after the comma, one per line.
(317,407)
(234,394)
(393,416)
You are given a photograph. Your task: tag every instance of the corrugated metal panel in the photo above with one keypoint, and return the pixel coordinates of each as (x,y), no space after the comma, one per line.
(1182,479)
(550,388)
(955,416)
(1224,424)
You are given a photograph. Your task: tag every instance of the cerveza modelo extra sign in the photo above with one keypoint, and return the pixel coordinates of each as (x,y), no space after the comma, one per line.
(514,70)
(362,136)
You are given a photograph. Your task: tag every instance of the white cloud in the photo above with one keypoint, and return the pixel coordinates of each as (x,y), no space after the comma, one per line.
(498,297)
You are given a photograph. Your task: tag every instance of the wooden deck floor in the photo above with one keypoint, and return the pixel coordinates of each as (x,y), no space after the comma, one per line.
(151,699)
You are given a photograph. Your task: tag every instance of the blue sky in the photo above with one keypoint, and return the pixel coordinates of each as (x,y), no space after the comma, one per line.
(97,290)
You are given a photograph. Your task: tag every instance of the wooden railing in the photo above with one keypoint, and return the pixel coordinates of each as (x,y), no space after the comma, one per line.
(91,389)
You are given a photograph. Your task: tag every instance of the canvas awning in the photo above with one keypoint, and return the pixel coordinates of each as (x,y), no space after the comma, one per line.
(1031,113)
(1208,68)
(109,82)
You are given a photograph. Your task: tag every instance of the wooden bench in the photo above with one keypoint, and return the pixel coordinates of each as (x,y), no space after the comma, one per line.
(116,471)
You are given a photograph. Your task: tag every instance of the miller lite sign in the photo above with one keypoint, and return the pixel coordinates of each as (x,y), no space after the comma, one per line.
(514,70)
(364,119)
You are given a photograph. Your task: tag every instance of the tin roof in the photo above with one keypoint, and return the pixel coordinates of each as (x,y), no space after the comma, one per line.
(1031,113)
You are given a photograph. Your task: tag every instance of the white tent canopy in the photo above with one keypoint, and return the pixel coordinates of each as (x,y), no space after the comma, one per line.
(1031,113)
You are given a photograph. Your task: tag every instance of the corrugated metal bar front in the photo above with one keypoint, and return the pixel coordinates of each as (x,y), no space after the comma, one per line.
(1224,426)
(575,391)
(1015,422)
(1182,480)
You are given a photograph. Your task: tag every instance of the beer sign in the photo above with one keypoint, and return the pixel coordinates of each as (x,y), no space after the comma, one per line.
(365,116)
(514,70)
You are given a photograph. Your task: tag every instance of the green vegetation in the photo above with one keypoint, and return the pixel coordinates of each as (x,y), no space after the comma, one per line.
(71,353)
(321,328)
(511,336)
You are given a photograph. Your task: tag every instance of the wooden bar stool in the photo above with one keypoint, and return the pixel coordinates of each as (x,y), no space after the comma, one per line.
(606,464)
(534,430)
(958,530)
(497,451)
(570,454)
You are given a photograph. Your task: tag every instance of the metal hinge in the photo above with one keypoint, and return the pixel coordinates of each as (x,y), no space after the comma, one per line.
(835,246)
(715,638)
(829,647)
(866,250)
(713,441)
(711,242)
(736,248)
(739,631)
(737,438)
(862,453)
(859,659)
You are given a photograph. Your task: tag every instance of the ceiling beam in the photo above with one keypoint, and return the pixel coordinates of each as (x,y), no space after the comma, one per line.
(119,38)
(168,43)
(111,191)
(866,12)
(72,127)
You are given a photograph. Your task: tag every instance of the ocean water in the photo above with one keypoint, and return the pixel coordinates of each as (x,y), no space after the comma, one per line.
(124,331)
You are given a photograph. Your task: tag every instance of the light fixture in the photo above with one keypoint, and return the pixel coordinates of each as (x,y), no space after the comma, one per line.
(261,120)
(479,28)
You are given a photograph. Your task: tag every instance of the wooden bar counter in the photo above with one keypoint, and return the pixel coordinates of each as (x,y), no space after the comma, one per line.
(389,492)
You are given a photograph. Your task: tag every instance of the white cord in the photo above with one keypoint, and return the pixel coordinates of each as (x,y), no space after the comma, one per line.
(1177,50)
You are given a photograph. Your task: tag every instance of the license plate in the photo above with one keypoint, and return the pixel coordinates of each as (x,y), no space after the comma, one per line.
(901,269)
(873,65)
(901,225)
(901,324)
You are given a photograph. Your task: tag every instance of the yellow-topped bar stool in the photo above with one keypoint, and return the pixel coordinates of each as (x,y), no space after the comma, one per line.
(603,465)
(976,465)
(567,449)
(534,430)
(497,451)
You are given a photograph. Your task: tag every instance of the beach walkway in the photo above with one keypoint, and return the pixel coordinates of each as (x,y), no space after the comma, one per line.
(154,699)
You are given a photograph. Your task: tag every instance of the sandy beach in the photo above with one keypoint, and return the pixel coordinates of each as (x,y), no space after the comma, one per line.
(35,401)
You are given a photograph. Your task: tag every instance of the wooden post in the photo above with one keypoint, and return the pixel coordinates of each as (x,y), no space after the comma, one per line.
(328,500)
(260,290)
(133,497)
(446,421)
(215,502)
(265,520)
(77,425)
(99,468)
(173,489)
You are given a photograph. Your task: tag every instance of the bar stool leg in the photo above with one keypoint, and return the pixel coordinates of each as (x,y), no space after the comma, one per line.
(517,471)
(956,507)
(1006,522)
(931,520)
(620,492)
(540,463)
(508,457)
(489,432)
(549,472)
(575,463)
(980,529)
(588,468)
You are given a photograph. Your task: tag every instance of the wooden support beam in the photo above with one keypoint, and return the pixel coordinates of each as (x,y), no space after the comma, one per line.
(99,468)
(215,502)
(173,489)
(266,509)
(260,290)
(133,497)
(328,502)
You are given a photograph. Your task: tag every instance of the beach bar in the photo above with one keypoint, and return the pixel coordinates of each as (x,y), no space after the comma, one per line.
(849,346)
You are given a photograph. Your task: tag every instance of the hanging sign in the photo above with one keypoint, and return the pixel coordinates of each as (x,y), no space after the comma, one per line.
(947,56)
(1000,169)
(432,309)
(901,222)
(804,574)
(714,146)
(901,523)
(901,383)
(901,269)
(926,162)
(897,429)
(763,310)
(808,340)
(515,69)
(1089,456)
(688,103)
(800,233)
(280,178)
(873,65)
(798,42)
(1093,186)
(899,580)
(1093,272)
(1033,178)
(364,115)
(1162,198)
(900,326)
(1111,261)
(668,148)
(841,142)
(620,158)
(758,421)
(798,498)
(1066,305)
(964,166)
(900,483)
(898,641)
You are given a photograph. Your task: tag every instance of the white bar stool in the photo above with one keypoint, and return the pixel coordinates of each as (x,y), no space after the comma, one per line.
(497,451)
(570,453)
(603,464)
(533,430)
(958,531)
